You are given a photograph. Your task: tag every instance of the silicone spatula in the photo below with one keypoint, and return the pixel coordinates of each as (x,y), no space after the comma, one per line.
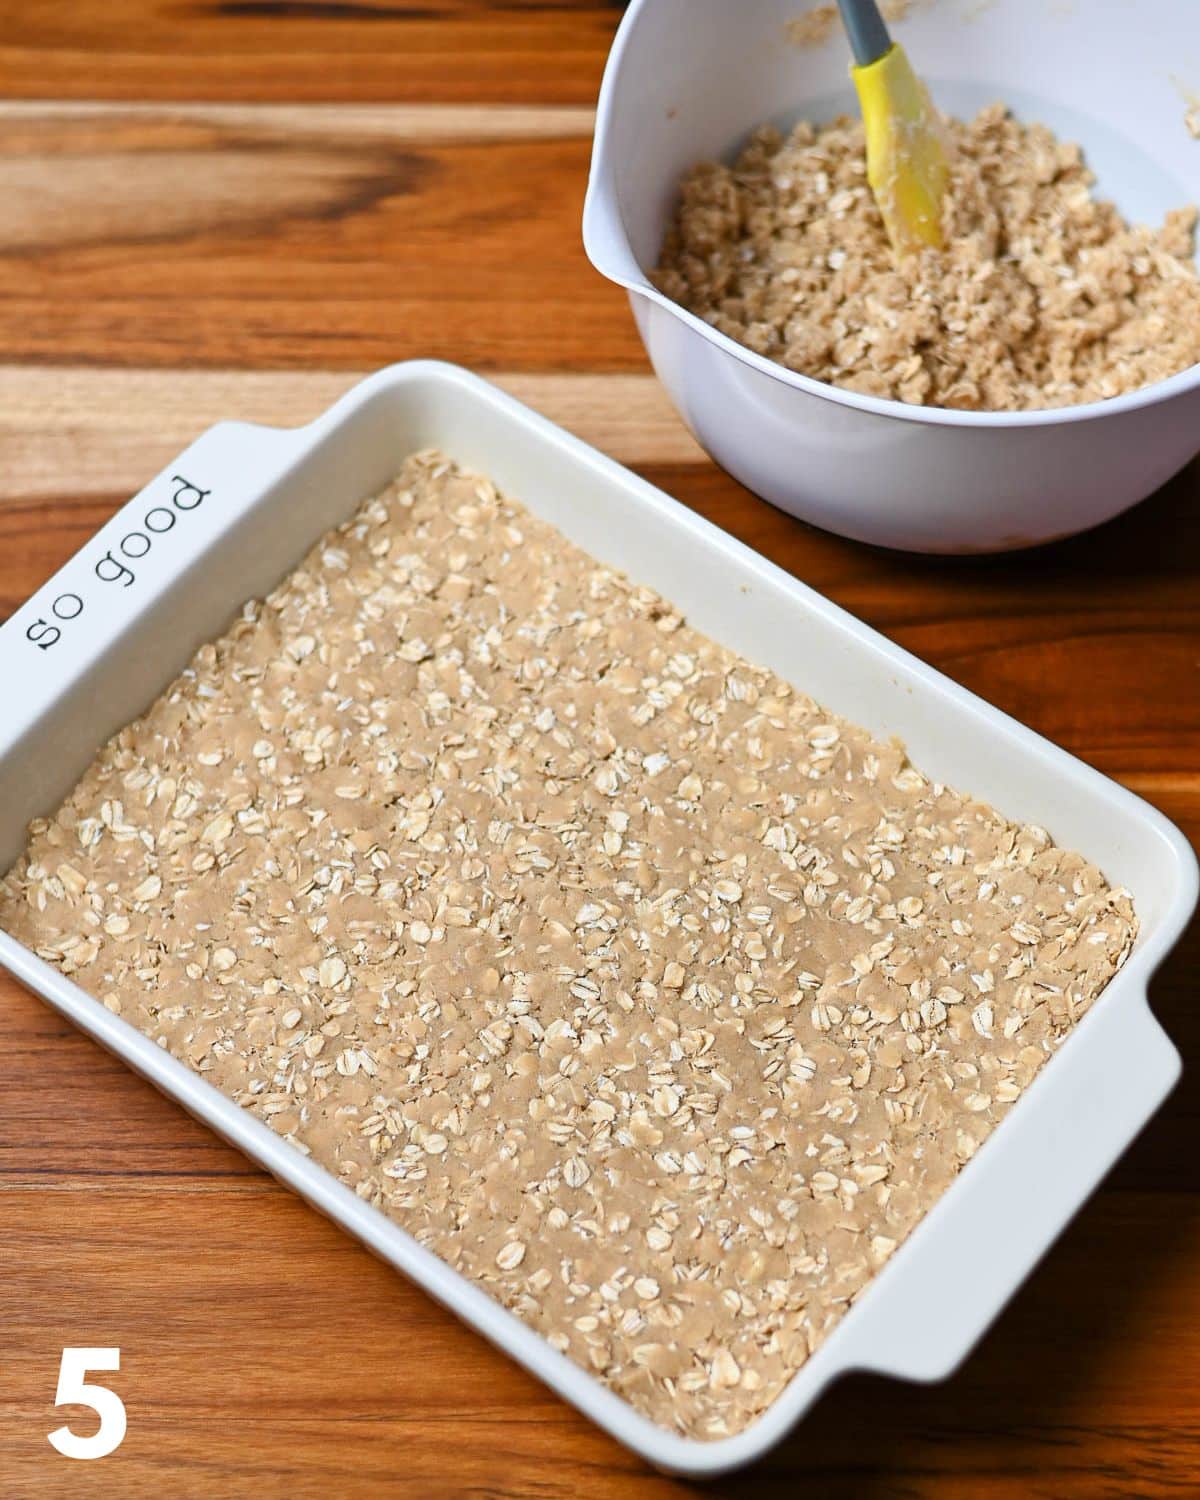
(906,161)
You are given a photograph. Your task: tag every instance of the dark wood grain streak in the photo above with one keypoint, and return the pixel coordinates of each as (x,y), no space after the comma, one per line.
(206,49)
(138,238)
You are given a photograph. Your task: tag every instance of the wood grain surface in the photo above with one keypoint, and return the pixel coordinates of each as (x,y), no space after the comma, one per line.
(231,210)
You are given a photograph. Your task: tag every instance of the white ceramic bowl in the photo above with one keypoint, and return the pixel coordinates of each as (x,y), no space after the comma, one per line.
(688,79)
(228,518)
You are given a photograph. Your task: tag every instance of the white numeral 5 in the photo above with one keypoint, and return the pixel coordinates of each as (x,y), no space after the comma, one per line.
(73,1390)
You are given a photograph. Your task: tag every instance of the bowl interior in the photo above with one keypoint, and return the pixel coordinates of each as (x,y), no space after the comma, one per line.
(696,76)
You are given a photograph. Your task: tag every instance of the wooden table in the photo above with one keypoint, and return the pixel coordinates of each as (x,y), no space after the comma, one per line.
(232,209)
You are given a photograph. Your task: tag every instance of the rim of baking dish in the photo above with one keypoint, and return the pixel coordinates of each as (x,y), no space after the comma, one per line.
(607,246)
(849,1346)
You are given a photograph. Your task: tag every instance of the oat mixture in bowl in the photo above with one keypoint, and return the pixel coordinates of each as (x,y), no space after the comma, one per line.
(1043,296)
(651,996)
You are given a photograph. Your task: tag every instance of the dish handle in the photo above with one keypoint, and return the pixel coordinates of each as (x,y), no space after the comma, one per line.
(955,1273)
(92,646)
(135,557)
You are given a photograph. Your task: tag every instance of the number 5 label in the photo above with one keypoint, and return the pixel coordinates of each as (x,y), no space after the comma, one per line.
(73,1390)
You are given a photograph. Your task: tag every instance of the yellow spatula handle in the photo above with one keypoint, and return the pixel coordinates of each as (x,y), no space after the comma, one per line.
(906,162)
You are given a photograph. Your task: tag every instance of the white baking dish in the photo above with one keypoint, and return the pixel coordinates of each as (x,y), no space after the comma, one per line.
(268,494)
(689,79)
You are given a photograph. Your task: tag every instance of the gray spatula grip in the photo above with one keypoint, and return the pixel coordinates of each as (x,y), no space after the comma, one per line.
(869,38)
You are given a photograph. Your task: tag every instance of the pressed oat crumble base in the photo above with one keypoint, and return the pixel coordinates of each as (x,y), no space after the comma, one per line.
(1042,297)
(648,994)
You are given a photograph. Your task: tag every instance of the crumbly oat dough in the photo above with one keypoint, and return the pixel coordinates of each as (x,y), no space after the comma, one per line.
(1043,296)
(648,994)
